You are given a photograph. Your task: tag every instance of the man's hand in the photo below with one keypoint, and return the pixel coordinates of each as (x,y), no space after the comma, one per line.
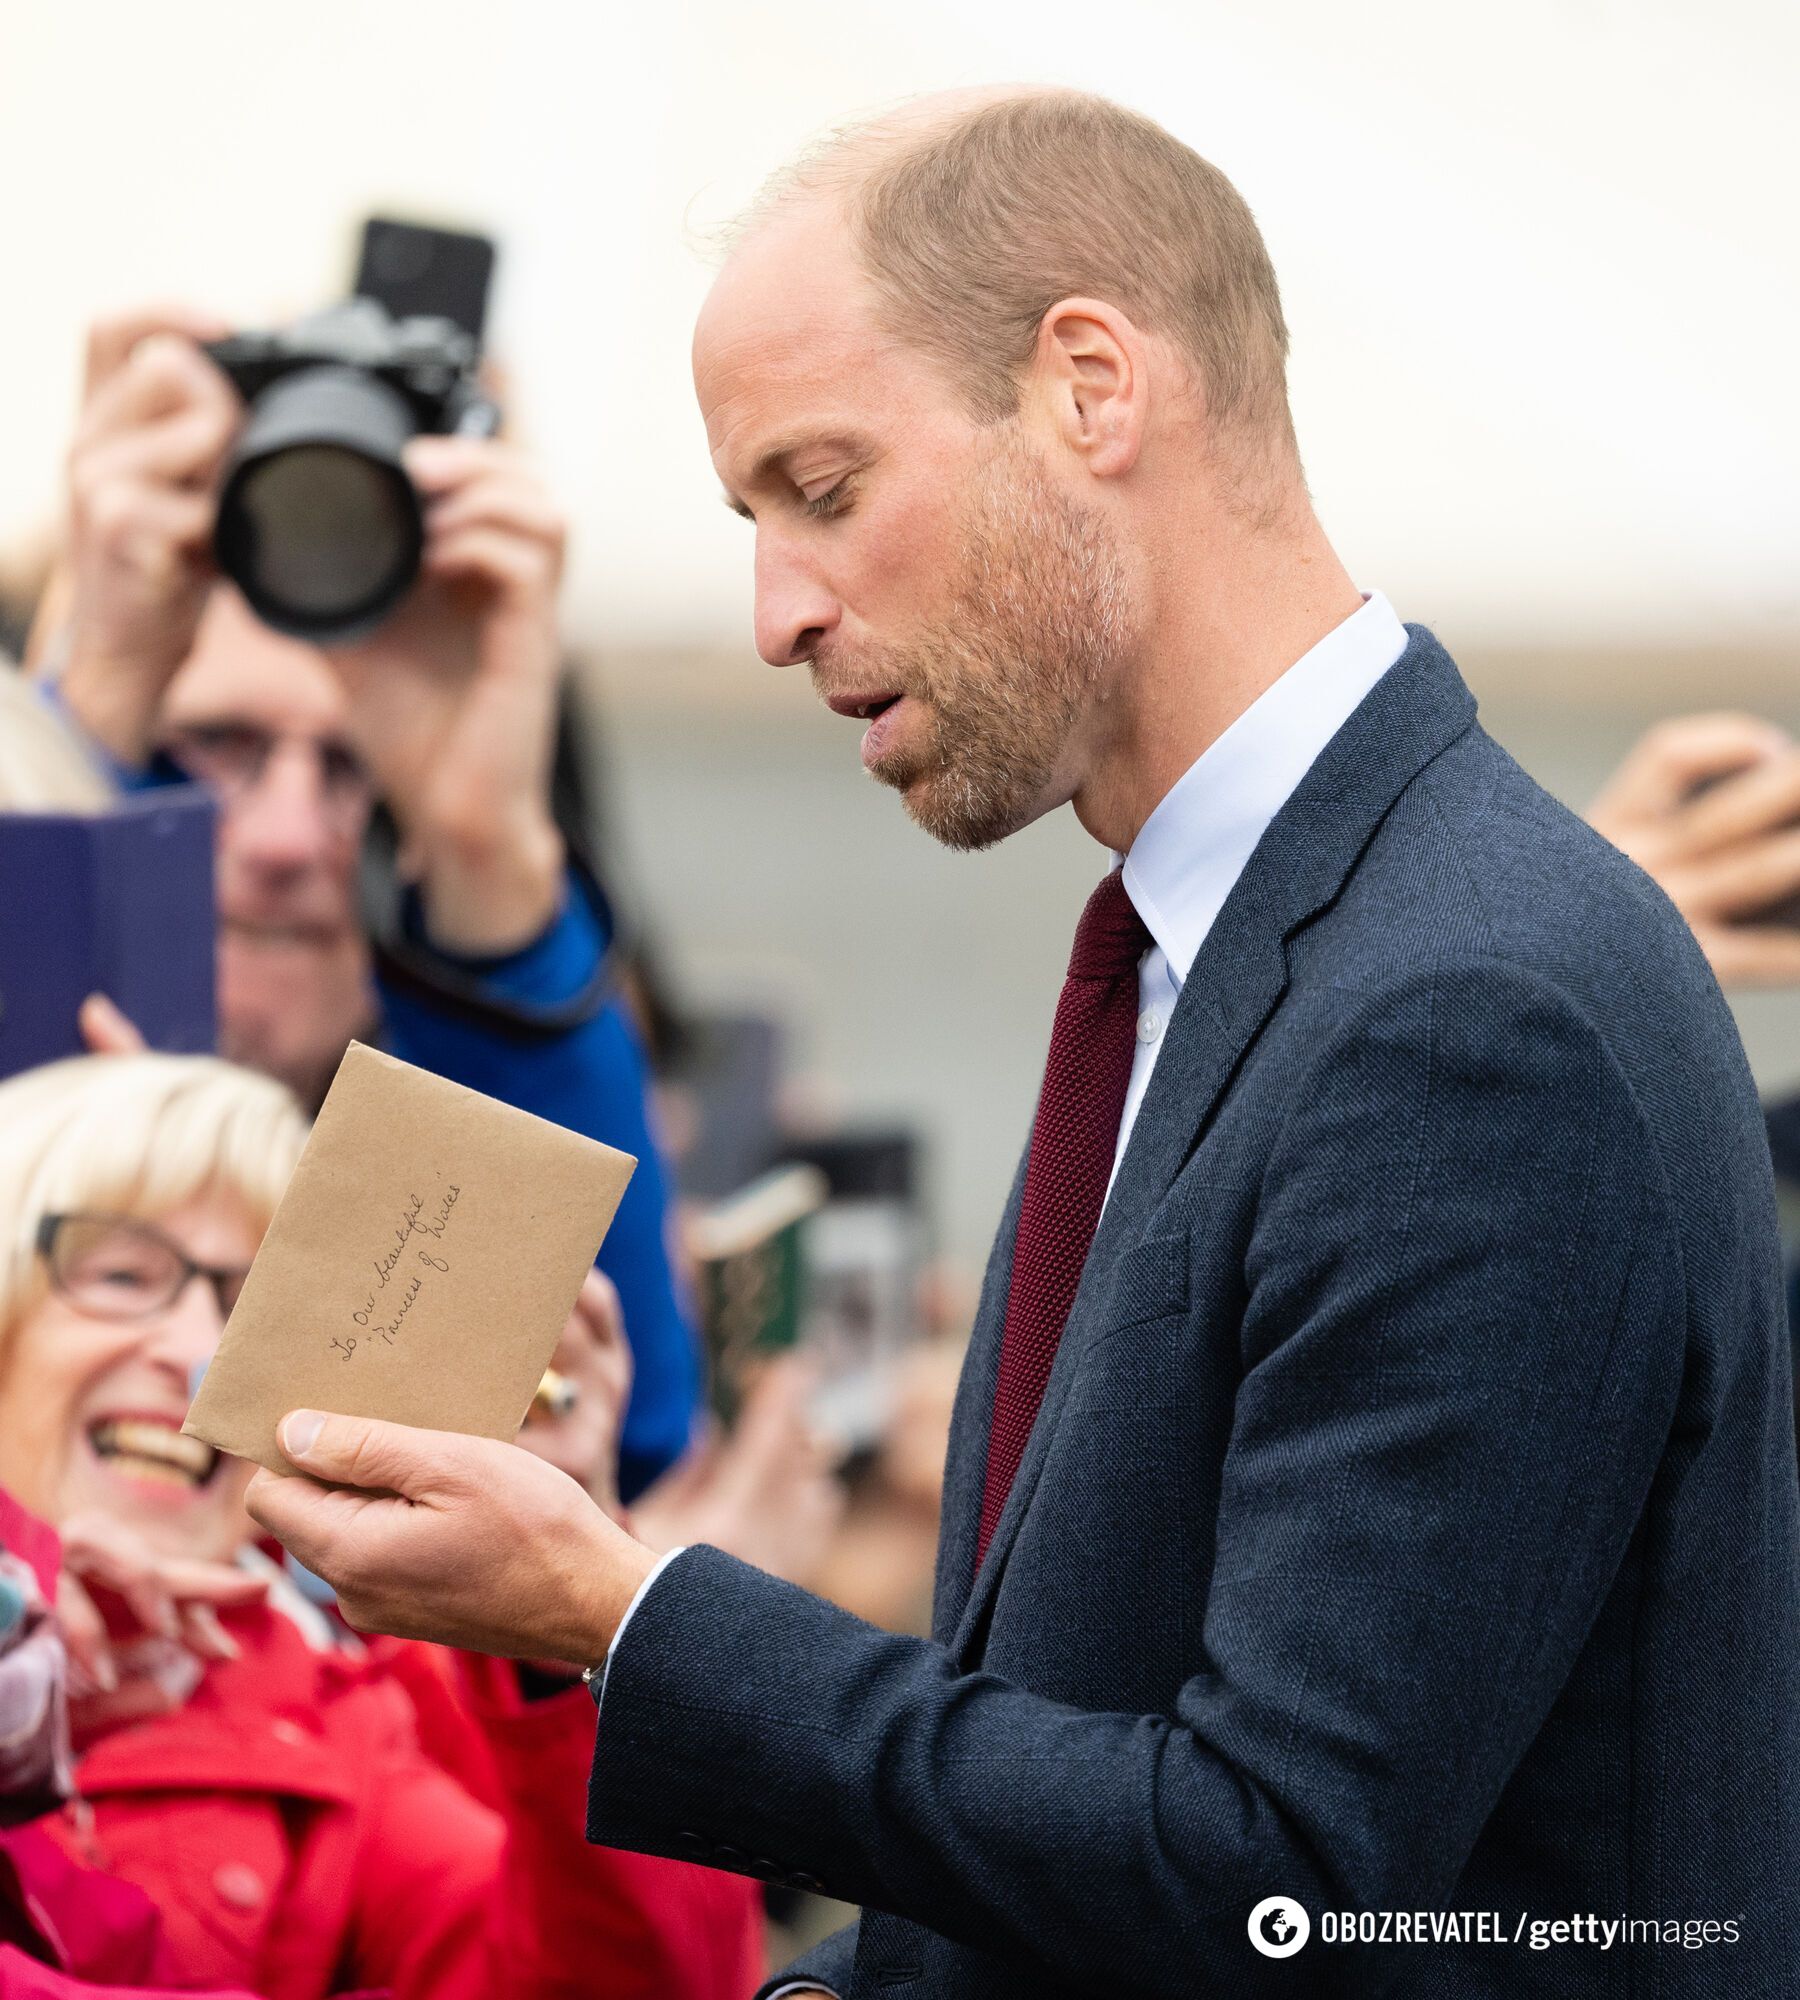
(594,1358)
(1709,805)
(433,1535)
(453,700)
(156,421)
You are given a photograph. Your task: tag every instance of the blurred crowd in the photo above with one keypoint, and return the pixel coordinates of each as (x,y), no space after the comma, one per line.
(213,1782)
(208,1781)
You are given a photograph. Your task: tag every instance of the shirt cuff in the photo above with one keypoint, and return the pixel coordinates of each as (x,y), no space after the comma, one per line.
(597,1682)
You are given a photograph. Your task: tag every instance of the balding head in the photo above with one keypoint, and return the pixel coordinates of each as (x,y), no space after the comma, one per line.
(973,212)
(999,379)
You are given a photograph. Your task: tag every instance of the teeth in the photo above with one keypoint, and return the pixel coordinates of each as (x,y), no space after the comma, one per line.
(863,712)
(158,1446)
(154,1470)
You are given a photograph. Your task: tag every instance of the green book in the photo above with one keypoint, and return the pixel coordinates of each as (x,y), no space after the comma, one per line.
(751,1255)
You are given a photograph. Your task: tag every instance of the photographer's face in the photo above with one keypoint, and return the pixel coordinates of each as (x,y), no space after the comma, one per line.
(262,719)
(945,577)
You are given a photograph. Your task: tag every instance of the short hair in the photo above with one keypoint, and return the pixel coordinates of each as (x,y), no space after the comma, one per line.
(135,1135)
(973,224)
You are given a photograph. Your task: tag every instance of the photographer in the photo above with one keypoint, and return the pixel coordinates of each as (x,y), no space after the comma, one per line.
(494,970)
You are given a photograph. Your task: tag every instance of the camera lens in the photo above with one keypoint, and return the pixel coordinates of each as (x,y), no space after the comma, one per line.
(318,524)
(322,532)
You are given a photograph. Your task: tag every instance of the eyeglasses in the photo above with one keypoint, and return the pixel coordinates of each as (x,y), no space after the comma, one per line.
(232,759)
(115,1267)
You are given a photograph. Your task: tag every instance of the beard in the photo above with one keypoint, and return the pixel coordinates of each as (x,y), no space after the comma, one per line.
(1038,617)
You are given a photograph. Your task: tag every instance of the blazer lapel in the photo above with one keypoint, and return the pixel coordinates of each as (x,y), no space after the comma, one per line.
(965,1464)
(1416,710)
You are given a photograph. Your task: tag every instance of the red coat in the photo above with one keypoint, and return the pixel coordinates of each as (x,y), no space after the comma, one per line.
(300,1836)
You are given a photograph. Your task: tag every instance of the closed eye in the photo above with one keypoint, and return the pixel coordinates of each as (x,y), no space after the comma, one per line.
(830,503)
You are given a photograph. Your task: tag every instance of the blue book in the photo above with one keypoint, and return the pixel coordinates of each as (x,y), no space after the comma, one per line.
(118,902)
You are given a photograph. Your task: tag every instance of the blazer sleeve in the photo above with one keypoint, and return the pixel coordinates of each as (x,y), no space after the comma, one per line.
(826,1966)
(1462,1342)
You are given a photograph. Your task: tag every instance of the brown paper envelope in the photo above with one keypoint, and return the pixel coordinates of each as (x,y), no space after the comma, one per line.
(419,1267)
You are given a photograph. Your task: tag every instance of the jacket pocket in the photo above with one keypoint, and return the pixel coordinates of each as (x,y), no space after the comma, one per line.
(1149,1282)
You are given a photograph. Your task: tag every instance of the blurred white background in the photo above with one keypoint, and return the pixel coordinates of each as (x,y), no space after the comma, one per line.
(1539,263)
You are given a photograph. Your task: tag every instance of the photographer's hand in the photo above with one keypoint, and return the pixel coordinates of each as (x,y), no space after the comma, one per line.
(453,700)
(156,422)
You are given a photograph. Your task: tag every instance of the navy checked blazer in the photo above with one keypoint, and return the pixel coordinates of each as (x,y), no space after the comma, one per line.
(1411,1522)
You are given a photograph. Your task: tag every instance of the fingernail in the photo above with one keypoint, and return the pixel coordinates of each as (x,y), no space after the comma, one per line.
(300,1432)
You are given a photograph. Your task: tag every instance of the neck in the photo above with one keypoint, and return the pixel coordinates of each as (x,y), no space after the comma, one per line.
(1267,596)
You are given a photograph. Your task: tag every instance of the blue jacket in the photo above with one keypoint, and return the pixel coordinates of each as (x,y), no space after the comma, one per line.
(1411,1523)
(588,1074)
(590,1077)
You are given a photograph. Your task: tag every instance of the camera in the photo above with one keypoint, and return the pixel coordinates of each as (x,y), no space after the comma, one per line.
(318,524)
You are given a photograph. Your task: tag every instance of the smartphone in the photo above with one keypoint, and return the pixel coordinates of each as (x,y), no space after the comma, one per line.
(408,268)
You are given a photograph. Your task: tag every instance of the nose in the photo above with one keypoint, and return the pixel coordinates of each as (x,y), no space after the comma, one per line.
(186,1332)
(795,607)
(279,825)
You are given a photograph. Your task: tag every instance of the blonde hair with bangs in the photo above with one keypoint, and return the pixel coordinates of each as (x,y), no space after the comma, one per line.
(137,1135)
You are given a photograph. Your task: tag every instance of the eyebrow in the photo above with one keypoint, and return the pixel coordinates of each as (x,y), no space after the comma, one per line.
(784,448)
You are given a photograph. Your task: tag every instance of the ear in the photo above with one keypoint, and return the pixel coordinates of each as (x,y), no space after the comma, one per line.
(1091,365)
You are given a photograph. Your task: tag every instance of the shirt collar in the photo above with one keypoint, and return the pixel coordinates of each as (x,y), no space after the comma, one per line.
(1193,847)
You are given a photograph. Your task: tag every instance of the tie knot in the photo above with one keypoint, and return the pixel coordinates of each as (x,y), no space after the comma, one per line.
(1111,937)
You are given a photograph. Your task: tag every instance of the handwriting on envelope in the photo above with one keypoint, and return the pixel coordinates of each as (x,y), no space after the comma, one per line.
(397,1284)
(419,1267)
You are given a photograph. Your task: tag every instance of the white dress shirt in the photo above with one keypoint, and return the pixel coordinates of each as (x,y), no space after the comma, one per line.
(1191,850)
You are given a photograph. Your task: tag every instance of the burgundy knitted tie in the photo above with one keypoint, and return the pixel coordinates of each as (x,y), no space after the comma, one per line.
(1072,1146)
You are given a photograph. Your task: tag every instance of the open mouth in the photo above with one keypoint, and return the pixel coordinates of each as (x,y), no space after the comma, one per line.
(863,706)
(153,1448)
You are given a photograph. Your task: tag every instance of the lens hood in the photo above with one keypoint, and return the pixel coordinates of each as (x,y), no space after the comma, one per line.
(318,524)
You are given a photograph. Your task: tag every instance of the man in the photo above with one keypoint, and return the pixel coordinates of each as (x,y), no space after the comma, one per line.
(1369,1490)
(447,714)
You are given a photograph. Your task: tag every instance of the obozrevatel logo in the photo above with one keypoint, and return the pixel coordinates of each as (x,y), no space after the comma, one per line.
(1279,1927)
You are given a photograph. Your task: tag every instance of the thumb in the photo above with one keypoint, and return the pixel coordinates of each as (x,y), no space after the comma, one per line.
(359,1451)
(108,1031)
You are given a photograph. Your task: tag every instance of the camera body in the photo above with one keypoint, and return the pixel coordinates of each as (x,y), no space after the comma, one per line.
(318,524)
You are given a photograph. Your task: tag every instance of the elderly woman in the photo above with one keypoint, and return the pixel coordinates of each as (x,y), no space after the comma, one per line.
(311,1814)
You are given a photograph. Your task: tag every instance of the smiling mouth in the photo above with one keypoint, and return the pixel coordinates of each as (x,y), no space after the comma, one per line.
(146,1448)
(251,932)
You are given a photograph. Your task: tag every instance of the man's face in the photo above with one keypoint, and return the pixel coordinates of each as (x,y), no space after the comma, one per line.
(261,718)
(940,575)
